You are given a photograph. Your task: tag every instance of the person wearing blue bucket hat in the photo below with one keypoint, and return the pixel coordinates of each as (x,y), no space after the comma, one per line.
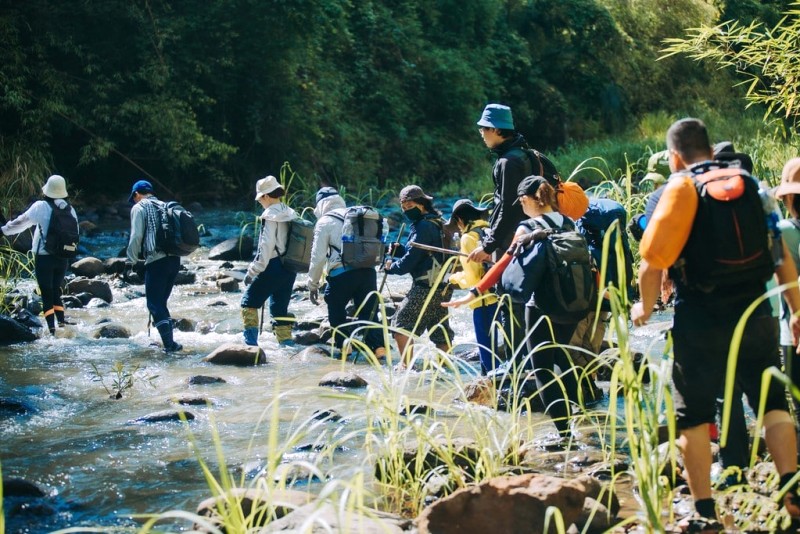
(512,165)
(160,269)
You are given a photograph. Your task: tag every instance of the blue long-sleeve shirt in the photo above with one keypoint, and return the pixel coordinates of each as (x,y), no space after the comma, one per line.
(415,261)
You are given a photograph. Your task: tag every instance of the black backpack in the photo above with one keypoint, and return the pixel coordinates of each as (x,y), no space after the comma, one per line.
(542,166)
(176,232)
(570,290)
(63,232)
(730,242)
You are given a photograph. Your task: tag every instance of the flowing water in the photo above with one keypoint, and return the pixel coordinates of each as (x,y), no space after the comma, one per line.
(98,465)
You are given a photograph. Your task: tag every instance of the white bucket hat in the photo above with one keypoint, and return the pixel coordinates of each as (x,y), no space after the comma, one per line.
(55,187)
(267,185)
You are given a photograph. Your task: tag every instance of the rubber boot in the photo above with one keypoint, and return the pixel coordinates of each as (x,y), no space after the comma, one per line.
(62,321)
(165,331)
(50,317)
(251,336)
(283,333)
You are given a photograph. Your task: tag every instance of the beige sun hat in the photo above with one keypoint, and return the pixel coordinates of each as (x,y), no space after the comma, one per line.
(790,179)
(267,185)
(55,187)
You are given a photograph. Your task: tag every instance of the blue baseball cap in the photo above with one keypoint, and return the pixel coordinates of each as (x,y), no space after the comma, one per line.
(497,116)
(142,186)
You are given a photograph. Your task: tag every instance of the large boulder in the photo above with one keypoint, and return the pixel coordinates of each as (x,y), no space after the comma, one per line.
(505,505)
(234,249)
(237,354)
(89,267)
(97,288)
(12,331)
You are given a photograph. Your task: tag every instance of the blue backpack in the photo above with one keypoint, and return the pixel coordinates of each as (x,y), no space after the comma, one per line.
(594,225)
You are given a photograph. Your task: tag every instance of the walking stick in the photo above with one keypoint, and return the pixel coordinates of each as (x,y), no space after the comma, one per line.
(391,255)
(261,323)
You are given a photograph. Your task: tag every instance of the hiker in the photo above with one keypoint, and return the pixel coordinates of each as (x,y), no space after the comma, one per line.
(595,224)
(50,267)
(412,315)
(471,224)
(266,277)
(160,268)
(789,192)
(515,161)
(344,283)
(538,200)
(708,309)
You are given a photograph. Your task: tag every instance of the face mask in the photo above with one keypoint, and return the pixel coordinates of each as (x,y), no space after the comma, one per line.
(413,214)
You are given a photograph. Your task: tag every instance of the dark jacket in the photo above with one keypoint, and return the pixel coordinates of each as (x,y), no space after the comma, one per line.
(415,261)
(511,167)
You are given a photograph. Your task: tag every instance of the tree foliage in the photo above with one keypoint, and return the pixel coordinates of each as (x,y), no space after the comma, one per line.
(203,98)
(768,59)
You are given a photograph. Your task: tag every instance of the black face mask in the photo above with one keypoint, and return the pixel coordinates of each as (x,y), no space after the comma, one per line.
(413,214)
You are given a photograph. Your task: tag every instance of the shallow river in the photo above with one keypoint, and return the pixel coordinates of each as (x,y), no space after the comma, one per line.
(99,467)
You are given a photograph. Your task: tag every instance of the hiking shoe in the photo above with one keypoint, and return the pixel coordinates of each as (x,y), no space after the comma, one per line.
(66,322)
(175,347)
(791,502)
(697,524)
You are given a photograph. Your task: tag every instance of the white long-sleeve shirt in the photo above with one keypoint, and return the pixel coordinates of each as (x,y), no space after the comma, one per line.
(39,215)
(327,235)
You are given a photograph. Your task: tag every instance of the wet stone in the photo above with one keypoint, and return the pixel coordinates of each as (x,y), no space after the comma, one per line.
(185,325)
(18,487)
(185,277)
(202,380)
(343,379)
(187,400)
(71,302)
(112,331)
(228,285)
(237,354)
(327,415)
(307,338)
(12,331)
(89,267)
(164,416)
(13,407)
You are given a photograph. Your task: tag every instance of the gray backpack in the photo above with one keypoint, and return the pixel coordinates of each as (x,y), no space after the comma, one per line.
(297,256)
(363,237)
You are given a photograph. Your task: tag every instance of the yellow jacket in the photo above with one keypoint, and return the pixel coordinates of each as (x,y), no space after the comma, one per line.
(472,271)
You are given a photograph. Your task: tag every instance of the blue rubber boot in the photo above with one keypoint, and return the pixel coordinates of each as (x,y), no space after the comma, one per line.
(251,336)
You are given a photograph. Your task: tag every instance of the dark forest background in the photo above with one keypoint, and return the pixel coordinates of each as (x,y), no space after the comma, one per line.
(205,97)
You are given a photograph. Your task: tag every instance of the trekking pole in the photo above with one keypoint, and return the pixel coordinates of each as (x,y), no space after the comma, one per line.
(391,255)
(261,323)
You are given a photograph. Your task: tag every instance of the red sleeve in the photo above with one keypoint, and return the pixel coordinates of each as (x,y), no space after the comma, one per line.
(493,275)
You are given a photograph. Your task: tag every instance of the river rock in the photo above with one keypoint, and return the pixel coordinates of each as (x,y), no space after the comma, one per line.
(313,352)
(14,407)
(12,331)
(307,338)
(98,288)
(18,487)
(504,505)
(164,416)
(112,331)
(237,354)
(234,249)
(115,265)
(343,379)
(71,302)
(187,400)
(228,285)
(26,318)
(184,278)
(256,505)
(87,228)
(97,303)
(481,391)
(185,325)
(316,519)
(89,267)
(202,380)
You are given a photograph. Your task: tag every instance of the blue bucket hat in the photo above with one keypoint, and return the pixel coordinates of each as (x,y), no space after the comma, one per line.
(142,186)
(497,116)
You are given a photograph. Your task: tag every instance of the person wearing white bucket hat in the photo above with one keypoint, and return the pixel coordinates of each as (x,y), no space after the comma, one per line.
(51,260)
(267,278)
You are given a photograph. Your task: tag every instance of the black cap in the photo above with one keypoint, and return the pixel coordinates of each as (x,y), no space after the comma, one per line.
(529,186)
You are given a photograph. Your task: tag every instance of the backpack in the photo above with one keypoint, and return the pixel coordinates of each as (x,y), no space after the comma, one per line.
(572,200)
(363,237)
(730,241)
(594,225)
(63,232)
(176,233)
(569,291)
(297,256)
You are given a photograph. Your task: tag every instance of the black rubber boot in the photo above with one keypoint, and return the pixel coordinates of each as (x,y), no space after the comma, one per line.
(165,331)
(51,323)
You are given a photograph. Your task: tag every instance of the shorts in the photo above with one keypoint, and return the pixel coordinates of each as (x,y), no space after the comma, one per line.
(434,319)
(701,357)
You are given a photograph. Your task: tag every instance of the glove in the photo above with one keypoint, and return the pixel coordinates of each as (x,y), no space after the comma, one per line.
(313,295)
(248,279)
